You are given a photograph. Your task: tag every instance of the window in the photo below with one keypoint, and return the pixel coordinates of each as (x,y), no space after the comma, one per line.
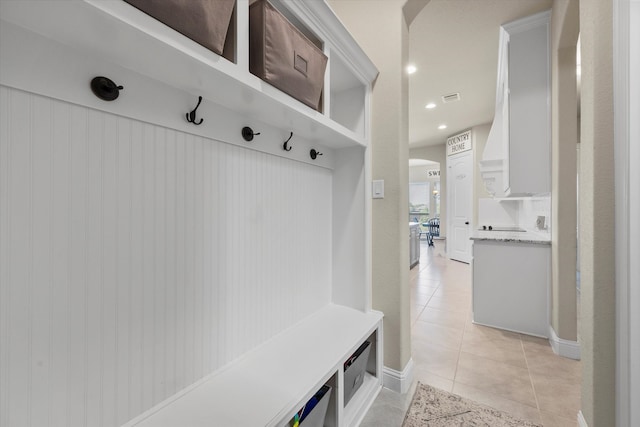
(419,201)
(435,198)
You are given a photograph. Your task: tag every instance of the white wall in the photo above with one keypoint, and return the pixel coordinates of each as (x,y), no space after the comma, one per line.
(383,34)
(627,133)
(420,173)
(137,259)
(597,243)
(564,137)
(634,210)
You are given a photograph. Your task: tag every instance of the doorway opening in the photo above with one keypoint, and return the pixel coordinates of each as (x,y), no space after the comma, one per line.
(424,194)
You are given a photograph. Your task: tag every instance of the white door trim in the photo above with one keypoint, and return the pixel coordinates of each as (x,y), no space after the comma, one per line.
(627,193)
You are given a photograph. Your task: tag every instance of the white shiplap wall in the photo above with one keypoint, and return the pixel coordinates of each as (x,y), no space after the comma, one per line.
(135,259)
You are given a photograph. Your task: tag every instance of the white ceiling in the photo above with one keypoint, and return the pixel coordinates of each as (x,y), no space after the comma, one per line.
(454,45)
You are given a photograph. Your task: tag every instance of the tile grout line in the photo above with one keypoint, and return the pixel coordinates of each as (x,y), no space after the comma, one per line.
(535,394)
(464,330)
(414,280)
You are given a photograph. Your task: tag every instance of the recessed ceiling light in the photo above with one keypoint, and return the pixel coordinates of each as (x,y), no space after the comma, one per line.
(442,127)
(430,105)
(411,69)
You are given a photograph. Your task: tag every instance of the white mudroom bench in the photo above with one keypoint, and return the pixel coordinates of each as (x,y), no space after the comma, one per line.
(151,234)
(269,384)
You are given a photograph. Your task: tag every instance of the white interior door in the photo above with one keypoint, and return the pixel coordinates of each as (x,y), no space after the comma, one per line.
(459,184)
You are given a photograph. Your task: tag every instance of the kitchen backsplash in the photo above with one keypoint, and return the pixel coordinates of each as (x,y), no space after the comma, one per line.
(520,212)
(531,209)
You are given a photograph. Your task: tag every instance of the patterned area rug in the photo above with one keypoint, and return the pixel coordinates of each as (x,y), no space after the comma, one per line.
(432,407)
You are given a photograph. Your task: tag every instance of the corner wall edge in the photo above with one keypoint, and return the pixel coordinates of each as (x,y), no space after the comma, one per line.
(562,347)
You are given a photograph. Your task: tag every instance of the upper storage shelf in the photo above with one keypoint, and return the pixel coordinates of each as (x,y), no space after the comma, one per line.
(118,32)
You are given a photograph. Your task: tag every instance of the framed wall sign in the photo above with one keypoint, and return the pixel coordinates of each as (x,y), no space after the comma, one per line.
(459,143)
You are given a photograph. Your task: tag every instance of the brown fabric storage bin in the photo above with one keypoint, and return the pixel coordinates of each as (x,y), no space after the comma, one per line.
(282,56)
(203,21)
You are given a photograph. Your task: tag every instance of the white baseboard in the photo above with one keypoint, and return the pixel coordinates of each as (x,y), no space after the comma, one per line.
(398,381)
(562,347)
(581,421)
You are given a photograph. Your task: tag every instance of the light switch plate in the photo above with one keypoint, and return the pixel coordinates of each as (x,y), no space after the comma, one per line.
(378,189)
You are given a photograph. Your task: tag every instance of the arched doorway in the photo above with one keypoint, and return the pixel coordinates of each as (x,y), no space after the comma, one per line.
(424,190)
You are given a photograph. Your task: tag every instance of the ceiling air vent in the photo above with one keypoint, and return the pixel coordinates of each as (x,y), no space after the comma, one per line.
(451,97)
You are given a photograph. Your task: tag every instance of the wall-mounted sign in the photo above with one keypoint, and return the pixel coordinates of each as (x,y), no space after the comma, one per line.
(433,173)
(459,143)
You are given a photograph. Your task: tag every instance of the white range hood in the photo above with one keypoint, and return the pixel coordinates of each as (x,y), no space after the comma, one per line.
(493,157)
(492,164)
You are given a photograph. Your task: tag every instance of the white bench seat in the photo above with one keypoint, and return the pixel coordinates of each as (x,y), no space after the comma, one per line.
(267,385)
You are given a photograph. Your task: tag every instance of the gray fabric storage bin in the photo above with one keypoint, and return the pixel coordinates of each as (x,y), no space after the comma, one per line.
(354,371)
(204,21)
(284,57)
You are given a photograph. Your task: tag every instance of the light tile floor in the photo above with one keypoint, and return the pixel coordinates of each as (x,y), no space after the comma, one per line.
(512,372)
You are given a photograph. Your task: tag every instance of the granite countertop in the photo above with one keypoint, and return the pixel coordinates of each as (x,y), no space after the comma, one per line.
(513,236)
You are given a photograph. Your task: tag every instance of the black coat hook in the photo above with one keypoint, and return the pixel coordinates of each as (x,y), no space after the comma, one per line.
(191,117)
(314,153)
(248,134)
(105,89)
(287,148)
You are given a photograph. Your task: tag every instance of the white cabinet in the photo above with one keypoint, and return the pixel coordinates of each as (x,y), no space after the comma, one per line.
(207,280)
(517,157)
(511,282)
(527,106)
(414,244)
(141,44)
